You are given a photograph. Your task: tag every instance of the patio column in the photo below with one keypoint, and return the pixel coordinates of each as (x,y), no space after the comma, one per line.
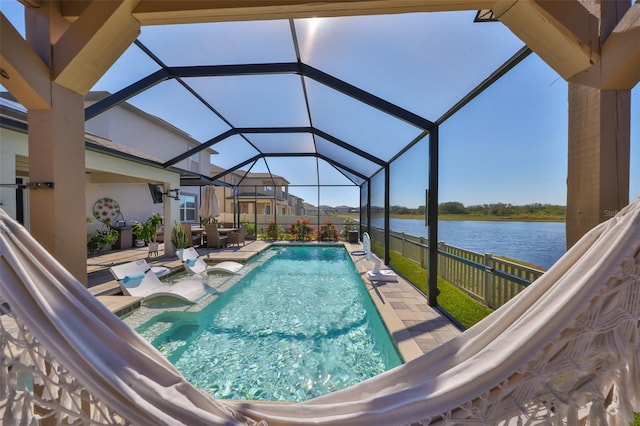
(56,154)
(600,122)
(71,57)
(598,169)
(57,216)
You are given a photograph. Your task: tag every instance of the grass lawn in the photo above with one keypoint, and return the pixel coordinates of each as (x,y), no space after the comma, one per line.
(464,308)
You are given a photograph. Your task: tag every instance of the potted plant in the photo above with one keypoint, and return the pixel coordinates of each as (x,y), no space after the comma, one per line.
(179,237)
(147,232)
(207,220)
(105,237)
(140,233)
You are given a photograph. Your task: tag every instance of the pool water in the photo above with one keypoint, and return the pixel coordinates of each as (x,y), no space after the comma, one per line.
(299,326)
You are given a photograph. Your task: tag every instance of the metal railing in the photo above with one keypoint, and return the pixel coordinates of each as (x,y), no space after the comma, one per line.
(490,279)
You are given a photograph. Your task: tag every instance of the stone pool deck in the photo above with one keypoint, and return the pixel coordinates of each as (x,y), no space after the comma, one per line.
(416,327)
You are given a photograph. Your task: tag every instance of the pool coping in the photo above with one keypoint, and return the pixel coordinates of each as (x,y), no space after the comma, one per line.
(408,347)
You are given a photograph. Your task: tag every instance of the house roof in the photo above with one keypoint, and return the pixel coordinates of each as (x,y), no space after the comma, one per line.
(13,116)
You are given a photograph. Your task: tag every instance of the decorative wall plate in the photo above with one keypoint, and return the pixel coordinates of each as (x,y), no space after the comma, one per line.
(106,210)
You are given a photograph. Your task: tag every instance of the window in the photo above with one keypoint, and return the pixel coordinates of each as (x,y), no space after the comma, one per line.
(268,188)
(267,209)
(187,208)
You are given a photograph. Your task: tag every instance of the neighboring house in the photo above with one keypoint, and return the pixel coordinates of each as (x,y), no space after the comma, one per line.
(258,193)
(309,209)
(327,210)
(346,210)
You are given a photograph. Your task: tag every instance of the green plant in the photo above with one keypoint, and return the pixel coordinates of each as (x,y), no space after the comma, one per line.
(327,231)
(349,225)
(301,230)
(107,236)
(272,231)
(149,230)
(251,228)
(179,237)
(208,221)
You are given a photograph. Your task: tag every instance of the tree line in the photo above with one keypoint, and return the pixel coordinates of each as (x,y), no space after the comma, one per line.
(493,209)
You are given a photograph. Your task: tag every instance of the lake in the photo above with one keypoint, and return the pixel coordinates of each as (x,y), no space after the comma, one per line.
(539,243)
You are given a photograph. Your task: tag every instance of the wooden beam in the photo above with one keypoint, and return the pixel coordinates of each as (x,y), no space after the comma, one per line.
(564,34)
(104,30)
(621,52)
(23,72)
(155,12)
(619,66)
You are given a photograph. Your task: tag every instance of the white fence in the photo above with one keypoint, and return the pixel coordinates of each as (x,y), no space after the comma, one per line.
(491,279)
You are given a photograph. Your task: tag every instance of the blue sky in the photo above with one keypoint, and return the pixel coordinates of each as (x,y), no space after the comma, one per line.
(509,145)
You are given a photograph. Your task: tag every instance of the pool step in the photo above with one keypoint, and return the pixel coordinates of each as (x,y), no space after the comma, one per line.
(107,289)
(121,305)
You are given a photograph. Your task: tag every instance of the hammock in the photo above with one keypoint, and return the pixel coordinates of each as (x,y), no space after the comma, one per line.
(564,351)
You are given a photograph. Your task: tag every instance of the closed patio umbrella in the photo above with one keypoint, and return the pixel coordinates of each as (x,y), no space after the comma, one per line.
(209,206)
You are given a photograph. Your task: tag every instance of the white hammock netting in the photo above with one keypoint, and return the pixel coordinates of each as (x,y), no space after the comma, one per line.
(564,351)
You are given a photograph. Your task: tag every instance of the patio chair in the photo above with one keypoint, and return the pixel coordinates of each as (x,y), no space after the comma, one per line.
(193,263)
(214,239)
(138,279)
(237,237)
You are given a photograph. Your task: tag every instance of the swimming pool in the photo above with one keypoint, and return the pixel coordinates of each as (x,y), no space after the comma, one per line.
(298,326)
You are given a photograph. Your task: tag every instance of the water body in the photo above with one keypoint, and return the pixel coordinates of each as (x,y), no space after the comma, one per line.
(539,243)
(287,331)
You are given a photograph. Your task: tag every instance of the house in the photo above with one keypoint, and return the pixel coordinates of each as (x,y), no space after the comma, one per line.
(258,197)
(124,150)
(347,210)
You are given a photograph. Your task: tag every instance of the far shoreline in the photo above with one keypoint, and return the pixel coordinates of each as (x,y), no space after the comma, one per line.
(490,218)
(485,218)
(479,218)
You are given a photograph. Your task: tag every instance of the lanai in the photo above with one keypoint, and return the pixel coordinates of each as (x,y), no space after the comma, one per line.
(596,50)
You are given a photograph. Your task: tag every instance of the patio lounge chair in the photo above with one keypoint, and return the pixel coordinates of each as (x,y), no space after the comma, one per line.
(193,263)
(137,279)
(376,274)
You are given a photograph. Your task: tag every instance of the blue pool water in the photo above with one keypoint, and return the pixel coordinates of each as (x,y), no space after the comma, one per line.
(299,326)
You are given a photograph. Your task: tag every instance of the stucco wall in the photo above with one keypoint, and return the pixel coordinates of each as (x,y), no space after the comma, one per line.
(150,136)
(133,196)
